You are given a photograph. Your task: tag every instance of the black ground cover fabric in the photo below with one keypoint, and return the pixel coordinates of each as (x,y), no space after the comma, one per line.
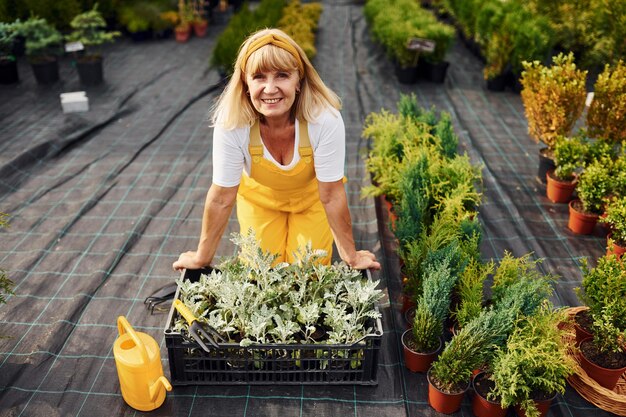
(101,204)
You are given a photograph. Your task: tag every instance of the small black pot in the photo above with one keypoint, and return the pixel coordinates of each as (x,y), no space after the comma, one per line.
(406,75)
(434,72)
(545,164)
(46,70)
(90,71)
(8,71)
(497,83)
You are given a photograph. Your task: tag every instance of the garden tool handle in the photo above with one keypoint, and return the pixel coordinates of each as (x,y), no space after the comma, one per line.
(184,311)
(123,326)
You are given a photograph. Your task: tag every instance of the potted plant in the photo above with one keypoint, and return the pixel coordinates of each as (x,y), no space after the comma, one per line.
(470,291)
(603,356)
(554,98)
(434,66)
(8,62)
(533,366)
(605,117)
(615,218)
(423,342)
(594,184)
(568,157)
(43,45)
(89,29)
(198,21)
(600,286)
(183,28)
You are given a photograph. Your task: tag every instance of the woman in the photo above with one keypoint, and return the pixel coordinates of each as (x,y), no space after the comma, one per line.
(278,150)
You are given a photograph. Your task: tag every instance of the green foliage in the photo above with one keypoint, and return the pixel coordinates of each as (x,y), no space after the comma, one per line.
(283,303)
(470,291)
(300,21)
(143,15)
(445,132)
(569,155)
(8,32)
(513,270)
(433,304)
(554,97)
(42,39)
(394,22)
(534,360)
(414,202)
(605,285)
(616,219)
(594,184)
(57,13)
(608,337)
(90,29)
(6,285)
(241,25)
(606,118)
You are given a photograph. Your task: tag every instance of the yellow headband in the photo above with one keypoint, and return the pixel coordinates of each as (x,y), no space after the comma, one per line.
(274,40)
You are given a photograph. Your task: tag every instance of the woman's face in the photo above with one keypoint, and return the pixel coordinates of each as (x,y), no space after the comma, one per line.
(273,92)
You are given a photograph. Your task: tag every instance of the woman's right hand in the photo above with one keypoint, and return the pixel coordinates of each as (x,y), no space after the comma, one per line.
(188,260)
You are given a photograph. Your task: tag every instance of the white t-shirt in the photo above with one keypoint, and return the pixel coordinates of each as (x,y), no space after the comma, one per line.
(327,134)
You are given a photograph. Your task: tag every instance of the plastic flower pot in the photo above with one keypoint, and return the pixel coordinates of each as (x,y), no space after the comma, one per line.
(581,223)
(606,377)
(559,191)
(481,406)
(418,361)
(444,402)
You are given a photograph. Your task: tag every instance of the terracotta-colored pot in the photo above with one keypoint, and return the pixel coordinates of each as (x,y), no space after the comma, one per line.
(612,248)
(581,223)
(442,401)
(581,334)
(606,377)
(417,361)
(482,407)
(200,28)
(182,33)
(543,406)
(559,191)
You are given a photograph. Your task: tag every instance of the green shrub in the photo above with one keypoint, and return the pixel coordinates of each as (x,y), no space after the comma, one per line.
(90,29)
(606,118)
(554,97)
(470,291)
(594,184)
(569,156)
(605,285)
(534,360)
(8,32)
(42,39)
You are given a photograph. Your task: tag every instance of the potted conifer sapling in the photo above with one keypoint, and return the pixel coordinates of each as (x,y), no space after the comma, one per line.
(89,28)
(8,62)
(43,46)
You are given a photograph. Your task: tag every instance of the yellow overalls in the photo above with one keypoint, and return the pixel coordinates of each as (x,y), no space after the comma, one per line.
(283,207)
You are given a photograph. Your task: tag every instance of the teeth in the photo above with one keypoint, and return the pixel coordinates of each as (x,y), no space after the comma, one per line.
(271,101)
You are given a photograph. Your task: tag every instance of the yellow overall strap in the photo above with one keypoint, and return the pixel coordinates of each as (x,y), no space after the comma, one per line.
(306,152)
(256,146)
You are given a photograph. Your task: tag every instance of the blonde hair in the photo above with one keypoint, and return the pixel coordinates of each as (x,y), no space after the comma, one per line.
(234,109)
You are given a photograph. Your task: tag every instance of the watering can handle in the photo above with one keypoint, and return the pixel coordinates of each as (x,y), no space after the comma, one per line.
(123,326)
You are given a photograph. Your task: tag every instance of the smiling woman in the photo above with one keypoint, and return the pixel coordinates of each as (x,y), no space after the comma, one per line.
(278,151)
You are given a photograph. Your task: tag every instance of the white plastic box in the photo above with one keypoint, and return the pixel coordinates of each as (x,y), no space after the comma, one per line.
(74,102)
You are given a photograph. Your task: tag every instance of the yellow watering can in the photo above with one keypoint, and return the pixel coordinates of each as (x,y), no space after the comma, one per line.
(138,362)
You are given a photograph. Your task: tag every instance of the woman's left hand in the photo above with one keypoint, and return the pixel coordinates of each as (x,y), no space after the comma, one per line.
(365,260)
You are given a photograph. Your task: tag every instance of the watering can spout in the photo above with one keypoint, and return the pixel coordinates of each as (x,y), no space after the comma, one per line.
(155,387)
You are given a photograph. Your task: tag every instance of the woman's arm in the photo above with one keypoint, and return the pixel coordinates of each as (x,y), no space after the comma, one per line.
(335,202)
(217,207)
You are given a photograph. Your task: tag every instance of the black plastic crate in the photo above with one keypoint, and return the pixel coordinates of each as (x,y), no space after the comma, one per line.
(293,364)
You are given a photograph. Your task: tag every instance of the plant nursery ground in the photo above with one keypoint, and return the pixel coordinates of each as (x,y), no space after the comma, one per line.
(101,203)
